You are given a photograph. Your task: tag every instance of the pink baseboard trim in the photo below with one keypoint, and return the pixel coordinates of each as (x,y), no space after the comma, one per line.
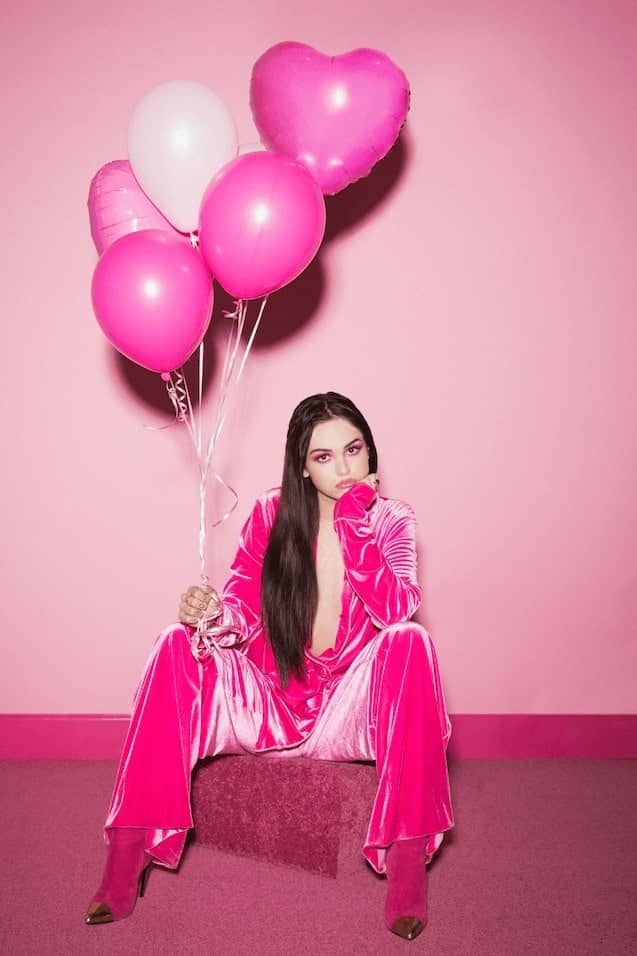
(62,736)
(493,736)
(526,736)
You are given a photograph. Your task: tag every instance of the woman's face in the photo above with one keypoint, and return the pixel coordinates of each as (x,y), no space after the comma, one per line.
(337,457)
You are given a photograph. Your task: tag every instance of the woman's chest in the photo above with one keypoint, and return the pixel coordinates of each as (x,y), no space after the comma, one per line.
(330,572)
(330,567)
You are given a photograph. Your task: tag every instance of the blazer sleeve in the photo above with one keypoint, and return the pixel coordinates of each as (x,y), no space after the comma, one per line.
(241,596)
(380,562)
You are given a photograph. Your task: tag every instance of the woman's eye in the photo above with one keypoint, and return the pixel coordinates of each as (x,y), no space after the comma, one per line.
(355,450)
(321,458)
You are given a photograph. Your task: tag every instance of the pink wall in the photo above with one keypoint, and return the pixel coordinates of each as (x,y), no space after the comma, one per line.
(481,314)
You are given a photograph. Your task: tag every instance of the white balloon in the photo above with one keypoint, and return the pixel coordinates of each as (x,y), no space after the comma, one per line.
(251,148)
(180,134)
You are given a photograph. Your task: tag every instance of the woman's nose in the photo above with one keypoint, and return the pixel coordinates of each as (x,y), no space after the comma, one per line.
(342,467)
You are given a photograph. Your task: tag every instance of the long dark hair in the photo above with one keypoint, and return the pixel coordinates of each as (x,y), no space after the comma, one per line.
(289,590)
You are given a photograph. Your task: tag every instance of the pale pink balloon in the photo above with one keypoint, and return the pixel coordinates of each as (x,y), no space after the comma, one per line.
(336,114)
(152,295)
(117,205)
(261,223)
(180,134)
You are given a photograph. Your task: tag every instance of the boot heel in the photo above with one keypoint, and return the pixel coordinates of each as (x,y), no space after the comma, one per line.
(143,880)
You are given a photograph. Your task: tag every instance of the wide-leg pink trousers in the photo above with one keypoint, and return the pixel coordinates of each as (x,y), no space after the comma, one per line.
(388,707)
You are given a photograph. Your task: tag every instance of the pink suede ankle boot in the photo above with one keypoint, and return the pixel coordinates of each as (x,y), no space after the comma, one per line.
(406,900)
(124,878)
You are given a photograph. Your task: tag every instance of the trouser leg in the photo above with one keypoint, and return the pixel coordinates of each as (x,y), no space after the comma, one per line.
(389,707)
(152,785)
(410,730)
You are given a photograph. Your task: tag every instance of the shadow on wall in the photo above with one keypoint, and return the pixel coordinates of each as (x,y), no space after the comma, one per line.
(292,307)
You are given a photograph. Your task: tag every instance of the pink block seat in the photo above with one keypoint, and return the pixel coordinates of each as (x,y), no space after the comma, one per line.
(296,811)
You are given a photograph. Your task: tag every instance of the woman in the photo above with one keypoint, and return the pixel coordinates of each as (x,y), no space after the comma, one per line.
(309,651)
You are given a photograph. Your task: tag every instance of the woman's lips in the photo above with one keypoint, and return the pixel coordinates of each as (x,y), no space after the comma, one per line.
(346,483)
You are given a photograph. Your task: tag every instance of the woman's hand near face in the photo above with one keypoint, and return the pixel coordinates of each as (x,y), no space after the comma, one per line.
(198,602)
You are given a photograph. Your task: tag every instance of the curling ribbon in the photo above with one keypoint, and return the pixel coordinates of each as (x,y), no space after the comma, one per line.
(179,395)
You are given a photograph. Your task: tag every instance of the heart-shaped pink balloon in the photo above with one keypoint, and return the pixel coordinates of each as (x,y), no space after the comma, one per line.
(336,114)
(118,205)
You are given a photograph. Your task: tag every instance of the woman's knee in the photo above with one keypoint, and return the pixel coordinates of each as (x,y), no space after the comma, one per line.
(173,648)
(174,639)
(407,638)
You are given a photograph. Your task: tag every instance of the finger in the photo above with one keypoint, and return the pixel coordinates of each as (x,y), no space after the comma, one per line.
(195,605)
(190,606)
(188,617)
(187,608)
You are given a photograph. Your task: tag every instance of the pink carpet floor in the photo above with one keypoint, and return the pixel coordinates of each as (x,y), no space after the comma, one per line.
(543,860)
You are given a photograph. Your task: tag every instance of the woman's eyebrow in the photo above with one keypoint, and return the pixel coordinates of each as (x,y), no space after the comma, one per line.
(346,445)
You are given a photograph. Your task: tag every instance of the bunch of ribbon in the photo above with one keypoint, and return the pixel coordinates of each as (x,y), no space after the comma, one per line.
(179,394)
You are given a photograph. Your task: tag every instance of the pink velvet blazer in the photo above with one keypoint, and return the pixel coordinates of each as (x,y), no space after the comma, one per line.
(380,587)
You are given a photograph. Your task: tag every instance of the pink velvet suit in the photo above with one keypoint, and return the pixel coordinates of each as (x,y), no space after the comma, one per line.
(376,695)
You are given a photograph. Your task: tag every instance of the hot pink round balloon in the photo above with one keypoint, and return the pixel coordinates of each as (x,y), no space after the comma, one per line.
(336,114)
(152,295)
(117,205)
(261,223)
